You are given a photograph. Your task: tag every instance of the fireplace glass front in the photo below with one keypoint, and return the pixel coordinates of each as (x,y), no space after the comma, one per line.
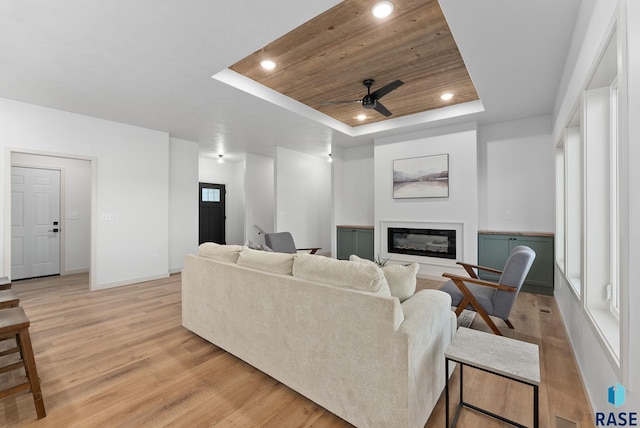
(422,242)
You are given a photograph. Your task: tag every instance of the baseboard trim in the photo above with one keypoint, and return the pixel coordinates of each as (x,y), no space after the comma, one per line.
(74,271)
(129,281)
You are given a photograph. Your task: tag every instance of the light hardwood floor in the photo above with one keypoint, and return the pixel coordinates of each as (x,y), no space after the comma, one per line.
(120,357)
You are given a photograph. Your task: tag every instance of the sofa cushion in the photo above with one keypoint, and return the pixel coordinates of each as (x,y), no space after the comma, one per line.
(401,278)
(221,253)
(266,261)
(340,273)
(255,246)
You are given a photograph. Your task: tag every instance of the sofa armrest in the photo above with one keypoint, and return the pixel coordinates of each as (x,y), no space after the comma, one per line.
(425,310)
(427,329)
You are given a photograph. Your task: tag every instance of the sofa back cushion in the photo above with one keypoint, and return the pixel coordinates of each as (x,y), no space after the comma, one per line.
(340,273)
(401,278)
(221,253)
(267,261)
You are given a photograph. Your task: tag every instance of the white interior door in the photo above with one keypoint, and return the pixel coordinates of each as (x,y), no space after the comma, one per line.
(35,227)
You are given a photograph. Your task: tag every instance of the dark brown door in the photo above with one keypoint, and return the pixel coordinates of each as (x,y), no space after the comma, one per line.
(212,213)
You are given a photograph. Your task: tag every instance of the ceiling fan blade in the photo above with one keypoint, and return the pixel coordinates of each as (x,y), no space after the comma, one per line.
(382,109)
(386,89)
(329,103)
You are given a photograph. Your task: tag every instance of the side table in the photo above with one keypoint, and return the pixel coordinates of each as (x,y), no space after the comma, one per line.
(499,355)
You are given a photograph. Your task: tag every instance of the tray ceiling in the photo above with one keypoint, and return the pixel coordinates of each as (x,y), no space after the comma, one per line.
(328,57)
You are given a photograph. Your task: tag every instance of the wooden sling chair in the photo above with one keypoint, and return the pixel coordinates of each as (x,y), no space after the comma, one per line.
(489,298)
(282,242)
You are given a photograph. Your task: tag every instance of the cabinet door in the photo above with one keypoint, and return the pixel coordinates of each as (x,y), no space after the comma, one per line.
(364,243)
(540,277)
(493,251)
(346,243)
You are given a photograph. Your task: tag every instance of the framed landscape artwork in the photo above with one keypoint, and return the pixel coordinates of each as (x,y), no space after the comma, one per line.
(423,177)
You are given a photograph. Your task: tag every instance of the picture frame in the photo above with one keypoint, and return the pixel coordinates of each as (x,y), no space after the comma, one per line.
(421,177)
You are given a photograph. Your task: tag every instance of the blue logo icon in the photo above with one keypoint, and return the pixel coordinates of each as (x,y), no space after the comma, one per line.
(616,395)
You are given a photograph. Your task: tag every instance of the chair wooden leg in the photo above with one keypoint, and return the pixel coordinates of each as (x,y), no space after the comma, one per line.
(32,372)
(478,308)
(508,323)
(489,321)
(463,304)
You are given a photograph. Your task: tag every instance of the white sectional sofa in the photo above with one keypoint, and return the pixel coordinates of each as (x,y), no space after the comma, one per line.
(329,329)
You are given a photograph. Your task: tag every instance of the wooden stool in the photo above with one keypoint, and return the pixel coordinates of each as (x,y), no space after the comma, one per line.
(5,283)
(8,299)
(13,321)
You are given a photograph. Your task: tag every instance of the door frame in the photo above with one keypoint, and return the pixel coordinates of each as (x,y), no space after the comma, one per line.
(6,244)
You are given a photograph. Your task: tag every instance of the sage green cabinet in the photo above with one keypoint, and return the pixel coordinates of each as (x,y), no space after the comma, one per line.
(356,240)
(494,248)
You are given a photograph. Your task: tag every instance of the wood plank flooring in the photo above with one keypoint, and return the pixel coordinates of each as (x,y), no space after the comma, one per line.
(120,358)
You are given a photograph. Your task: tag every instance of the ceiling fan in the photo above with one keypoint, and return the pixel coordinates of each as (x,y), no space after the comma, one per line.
(370,101)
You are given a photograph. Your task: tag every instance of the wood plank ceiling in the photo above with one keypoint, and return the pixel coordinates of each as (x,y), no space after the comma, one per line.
(328,57)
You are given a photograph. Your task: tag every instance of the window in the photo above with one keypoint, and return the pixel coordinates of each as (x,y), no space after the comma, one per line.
(574,202)
(560,191)
(210,195)
(614,294)
(588,200)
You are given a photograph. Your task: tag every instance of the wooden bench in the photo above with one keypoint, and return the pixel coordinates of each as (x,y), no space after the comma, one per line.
(14,323)
(8,299)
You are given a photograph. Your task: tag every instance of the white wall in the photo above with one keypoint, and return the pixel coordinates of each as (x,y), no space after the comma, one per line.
(303,198)
(259,192)
(75,207)
(598,373)
(516,176)
(183,201)
(338,186)
(461,206)
(229,174)
(357,192)
(130,166)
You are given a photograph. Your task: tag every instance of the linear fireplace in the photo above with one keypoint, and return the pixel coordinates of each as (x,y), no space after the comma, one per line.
(422,242)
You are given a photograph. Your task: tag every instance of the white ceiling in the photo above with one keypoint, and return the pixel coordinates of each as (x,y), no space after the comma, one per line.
(149,63)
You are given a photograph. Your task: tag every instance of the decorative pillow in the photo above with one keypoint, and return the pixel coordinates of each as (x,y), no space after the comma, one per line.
(267,261)
(222,253)
(401,278)
(340,273)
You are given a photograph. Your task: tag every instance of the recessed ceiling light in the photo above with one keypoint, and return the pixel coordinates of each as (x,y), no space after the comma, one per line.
(268,64)
(382,9)
(447,96)
(361,116)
